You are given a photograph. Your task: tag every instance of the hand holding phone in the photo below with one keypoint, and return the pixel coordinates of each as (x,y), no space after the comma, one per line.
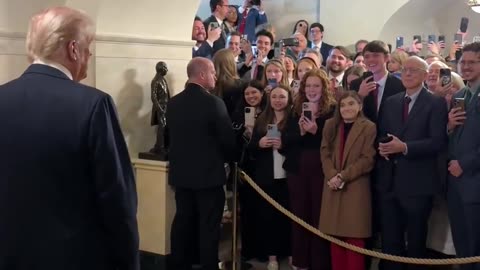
(307,110)
(445,76)
(272,83)
(272,131)
(249,116)
(385,139)
(463,24)
(459,103)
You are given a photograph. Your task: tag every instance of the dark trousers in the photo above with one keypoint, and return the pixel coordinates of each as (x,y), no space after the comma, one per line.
(400,215)
(465,224)
(273,226)
(199,209)
(305,188)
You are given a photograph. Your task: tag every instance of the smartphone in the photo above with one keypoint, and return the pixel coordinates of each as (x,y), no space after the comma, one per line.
(291,42)
(272,83)
(399,42)
(458,38)
(441,40)
(307,110)
(463,24)
(214,25)
(254,51)
(367,74)
(476,39)
(249,116)
(418,38)
(245,37)
(431,39)
(445,76)
(272,131)
(459,103)
(277,48)
(385,139)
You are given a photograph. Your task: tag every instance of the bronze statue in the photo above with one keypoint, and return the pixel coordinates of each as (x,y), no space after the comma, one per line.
(160,96)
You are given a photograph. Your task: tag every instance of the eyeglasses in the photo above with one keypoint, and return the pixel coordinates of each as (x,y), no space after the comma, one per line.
(412,70)
(468,63)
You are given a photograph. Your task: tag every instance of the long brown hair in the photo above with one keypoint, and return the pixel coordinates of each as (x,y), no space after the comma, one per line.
(337,117)
(267,116)
(327,100)
(281,66)
(226,71)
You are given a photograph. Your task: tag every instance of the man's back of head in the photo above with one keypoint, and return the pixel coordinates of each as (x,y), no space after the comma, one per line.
(62,35)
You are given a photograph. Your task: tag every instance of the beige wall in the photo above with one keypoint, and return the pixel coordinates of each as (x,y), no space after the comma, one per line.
(346,21)
(134,36)
(131,38)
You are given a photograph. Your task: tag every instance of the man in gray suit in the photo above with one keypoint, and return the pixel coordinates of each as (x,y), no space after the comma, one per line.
(463,194)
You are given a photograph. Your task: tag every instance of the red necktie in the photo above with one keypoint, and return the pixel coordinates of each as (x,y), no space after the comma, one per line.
(241,28)
(406,104)
(375,96)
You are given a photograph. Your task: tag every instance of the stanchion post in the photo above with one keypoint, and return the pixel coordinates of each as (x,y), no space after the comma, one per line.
(235,215)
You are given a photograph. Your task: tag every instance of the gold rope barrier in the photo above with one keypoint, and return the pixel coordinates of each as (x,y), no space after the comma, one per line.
(363,251)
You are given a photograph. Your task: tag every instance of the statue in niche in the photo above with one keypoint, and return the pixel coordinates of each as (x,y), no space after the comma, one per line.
(160,95)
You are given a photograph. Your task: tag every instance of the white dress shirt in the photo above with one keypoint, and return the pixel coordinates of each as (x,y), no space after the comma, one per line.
(55,65)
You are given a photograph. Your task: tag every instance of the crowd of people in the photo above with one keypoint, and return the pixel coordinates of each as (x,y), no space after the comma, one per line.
(361,145)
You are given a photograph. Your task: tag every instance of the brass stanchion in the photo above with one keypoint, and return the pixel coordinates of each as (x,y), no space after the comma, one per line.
(236,263)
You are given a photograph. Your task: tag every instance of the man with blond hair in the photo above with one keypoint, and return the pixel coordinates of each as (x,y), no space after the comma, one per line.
(67,191)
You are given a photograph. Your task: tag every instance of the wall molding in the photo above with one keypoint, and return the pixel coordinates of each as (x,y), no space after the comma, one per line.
(114,38)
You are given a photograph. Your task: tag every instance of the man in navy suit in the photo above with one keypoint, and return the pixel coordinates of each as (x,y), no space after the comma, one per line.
(250,15)
(415,121)
(67,191)
(202,140)
(219,10)
(463,193)
(316,29)
(377,88)
(204,45)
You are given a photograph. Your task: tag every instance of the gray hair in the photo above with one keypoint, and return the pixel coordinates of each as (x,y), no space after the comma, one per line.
(52,28)
(420,61)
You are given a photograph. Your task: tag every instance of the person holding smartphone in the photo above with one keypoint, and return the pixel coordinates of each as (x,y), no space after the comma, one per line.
(348,157)
(301,141)
(274,73)
(267,150)
(252,103)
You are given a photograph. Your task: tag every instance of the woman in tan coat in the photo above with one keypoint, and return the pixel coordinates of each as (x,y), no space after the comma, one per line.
(348,156)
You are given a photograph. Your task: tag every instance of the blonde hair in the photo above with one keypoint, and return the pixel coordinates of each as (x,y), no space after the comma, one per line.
(457,81)
(399,57)
(276,62)
(226,71)
(52,28)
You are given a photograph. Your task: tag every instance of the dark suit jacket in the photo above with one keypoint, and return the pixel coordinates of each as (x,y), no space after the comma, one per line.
(262,159)
(465,147)
(325,51)
(201,139)
(416,173)
(222,41)
(67,191)
(393,85)
(205,50)
(293,143)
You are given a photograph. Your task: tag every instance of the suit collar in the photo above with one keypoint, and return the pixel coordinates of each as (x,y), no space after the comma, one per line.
(46,70)
(355,132)
(418,106)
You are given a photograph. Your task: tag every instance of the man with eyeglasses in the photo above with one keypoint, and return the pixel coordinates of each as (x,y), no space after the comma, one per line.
(316,31)
(463,192)
(412,134)
(219,10)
